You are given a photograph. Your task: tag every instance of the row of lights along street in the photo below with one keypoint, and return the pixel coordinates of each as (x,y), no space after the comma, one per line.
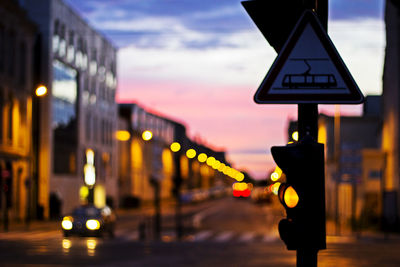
(190,154)
(210,161)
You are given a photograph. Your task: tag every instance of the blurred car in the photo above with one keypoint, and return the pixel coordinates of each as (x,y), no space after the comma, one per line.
(89,221)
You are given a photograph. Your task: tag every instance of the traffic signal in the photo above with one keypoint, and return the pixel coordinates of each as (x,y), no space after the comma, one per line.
(303,194)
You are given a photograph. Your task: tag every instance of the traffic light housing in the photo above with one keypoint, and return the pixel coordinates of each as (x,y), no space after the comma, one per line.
(303,194)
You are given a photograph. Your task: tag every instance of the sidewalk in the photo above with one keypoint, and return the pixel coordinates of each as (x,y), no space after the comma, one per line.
(335,234)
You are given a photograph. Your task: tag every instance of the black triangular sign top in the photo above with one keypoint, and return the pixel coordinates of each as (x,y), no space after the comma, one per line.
(308,69)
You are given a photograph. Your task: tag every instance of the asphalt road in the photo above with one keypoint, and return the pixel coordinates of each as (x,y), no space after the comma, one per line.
(227,232)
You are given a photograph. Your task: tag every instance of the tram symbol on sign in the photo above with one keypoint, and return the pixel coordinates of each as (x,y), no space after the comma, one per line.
(308,80)
(308,69)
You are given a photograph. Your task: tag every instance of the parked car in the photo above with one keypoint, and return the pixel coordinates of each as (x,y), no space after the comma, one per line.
(89,221)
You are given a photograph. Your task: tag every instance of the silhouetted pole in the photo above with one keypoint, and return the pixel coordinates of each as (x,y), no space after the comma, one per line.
(177,193)
(157,215)
(308,125)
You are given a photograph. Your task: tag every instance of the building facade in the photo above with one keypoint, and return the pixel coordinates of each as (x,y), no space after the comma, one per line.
(16,90)
(354,166)
(78,116)
(391,110)
(141,161)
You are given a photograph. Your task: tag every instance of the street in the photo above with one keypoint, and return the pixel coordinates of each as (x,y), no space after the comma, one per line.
(224,232)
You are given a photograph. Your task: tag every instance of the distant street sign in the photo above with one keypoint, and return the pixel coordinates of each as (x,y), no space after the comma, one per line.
(308,70)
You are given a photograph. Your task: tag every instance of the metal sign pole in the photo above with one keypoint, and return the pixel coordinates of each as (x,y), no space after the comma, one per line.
(308,125)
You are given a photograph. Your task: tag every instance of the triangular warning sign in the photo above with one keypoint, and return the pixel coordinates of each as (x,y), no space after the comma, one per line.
(308,69)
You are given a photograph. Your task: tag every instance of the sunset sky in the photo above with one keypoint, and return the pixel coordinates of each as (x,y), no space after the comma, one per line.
(200,62)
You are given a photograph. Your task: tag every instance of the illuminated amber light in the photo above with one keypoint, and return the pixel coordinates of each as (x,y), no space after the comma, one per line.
(202,157)
(41,90)
(240,186)
(191,153)
(275,188)
(216,164)
(276,174)
(232,173)
(295,136)
(83,192)
(175,147)
(291,198)
(147,135)
(227,170)
(123,135)
(221,167)
(240,176)
(210,161)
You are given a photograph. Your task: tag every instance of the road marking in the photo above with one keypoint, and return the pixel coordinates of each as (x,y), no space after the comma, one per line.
(224,236)
(247,237)
(203,235)
(269,238)
(128,235)
(132,236)
(203,214)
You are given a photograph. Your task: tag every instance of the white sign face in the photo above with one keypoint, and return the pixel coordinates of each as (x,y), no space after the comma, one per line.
(308,70)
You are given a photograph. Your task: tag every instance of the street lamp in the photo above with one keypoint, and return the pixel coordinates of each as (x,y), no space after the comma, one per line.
(147,136)
(32,183)
(41,90)
(176,147)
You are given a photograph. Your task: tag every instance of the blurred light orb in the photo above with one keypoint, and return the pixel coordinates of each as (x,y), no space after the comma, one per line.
(175,147)
(202,157)
(41,90)
(147,135)
(210,161)
(191,153)
(295,136)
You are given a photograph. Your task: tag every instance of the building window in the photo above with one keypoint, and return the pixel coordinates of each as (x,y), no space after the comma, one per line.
(63,46)
(64,122)
(22,123)
(56,36)
(93,63)
(71,47)
(10,122)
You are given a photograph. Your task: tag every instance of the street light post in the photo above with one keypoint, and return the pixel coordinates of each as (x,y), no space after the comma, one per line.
(148,136)
(175,148)
(32,184)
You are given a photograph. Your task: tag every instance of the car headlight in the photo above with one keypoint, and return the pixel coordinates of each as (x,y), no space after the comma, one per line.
(92,224)
(66,223)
